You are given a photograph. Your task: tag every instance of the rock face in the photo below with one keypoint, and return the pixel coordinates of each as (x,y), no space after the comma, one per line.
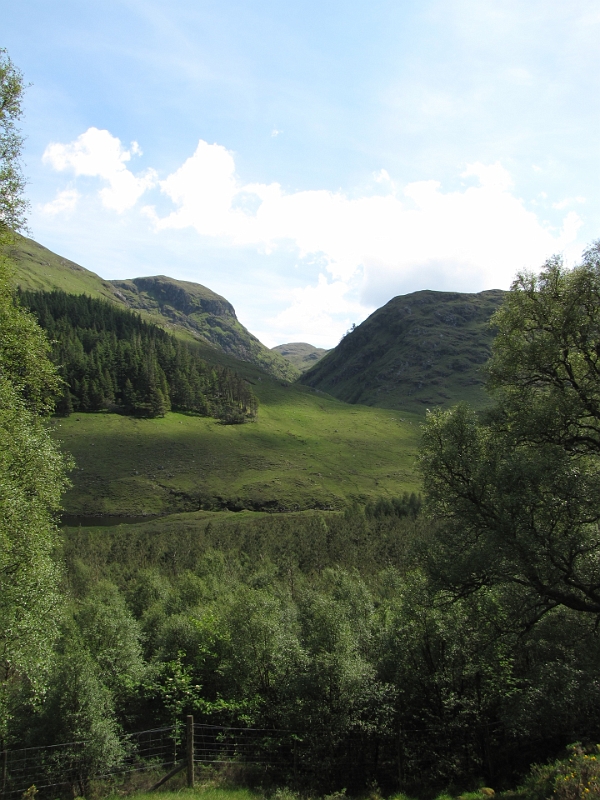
(418,351)
(302,355)
(182,296)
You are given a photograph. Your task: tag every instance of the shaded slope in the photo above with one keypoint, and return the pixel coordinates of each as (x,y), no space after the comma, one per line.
(420,350)
(302,355)
(204,315)
(184,308)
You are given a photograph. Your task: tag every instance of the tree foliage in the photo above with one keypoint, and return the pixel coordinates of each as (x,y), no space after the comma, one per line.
(13,204)
(545,367)
(32,469)
(110,358)
(515,491)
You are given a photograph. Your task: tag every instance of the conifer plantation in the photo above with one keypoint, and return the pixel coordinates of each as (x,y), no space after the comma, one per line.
(111,359)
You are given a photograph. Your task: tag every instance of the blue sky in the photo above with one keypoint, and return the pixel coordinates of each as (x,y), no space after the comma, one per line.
(309,161)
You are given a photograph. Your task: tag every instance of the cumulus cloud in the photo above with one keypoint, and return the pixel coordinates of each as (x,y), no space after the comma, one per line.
(97,153)
(568,201)
(416,237)
(64,202)
(371,247)
(317,314)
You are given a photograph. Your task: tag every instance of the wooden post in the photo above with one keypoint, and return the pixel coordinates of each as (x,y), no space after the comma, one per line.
(4,767)
(190,751)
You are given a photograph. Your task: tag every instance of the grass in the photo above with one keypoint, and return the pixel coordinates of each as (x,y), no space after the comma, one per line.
(306,450)
(39,269)
(210,792)
(204,792)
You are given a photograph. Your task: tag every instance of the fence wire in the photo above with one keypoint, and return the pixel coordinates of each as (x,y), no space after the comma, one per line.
(259,746)
(72,764)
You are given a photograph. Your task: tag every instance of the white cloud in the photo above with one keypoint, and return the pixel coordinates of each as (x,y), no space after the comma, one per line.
(568,201)
(422,237)
(317,314)
(382,176)
(371,247)
(97,153)
(64,202)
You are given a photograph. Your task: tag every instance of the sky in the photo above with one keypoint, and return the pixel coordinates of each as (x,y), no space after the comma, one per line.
(310,161)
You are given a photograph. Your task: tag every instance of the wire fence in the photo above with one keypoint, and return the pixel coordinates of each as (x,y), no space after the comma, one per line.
(74,764)
(67,769)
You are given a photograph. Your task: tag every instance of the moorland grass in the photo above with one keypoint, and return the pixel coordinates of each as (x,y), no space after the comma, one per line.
(201,792)
(305,450)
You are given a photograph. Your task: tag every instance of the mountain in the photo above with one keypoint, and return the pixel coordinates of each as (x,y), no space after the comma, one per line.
(203,314)
(302,355)
(420,350)
(186,309)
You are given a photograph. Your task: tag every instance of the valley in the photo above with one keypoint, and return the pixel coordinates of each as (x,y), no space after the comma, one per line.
(278,574)
(346,432)
(303,451)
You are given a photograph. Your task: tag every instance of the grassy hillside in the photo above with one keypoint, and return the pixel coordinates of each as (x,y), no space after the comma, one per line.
(419,351)
(306,450)
(38,269)
(186,309)
(302,355)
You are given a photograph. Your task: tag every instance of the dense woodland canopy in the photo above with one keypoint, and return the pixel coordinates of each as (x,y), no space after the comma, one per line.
(110,358)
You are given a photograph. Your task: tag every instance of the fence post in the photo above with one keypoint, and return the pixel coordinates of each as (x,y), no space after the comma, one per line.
(4,767)
(190,751)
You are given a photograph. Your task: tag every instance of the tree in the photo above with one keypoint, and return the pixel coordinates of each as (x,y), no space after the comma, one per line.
(545,367)
(515,491)
(13,204)
(32,469)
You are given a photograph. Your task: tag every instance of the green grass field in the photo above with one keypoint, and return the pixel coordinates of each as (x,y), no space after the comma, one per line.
(203,793)
(306,450)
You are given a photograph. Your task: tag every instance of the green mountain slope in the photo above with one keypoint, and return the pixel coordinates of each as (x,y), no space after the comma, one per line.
(302,355)
(186,309)
(39,269)
(418,351)
(305,450)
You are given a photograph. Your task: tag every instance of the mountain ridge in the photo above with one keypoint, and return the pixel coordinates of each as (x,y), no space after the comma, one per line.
(301,354)
(186,309)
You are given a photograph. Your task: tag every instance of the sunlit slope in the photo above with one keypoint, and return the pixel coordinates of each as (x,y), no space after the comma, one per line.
(306,450)
(187,309)
(419,351)
(302,355)
(39,269)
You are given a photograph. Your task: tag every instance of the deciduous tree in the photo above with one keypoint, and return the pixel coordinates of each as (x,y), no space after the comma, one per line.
(515,491)
(32,469)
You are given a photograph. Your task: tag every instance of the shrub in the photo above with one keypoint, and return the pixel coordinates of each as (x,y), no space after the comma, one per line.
(572,778)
